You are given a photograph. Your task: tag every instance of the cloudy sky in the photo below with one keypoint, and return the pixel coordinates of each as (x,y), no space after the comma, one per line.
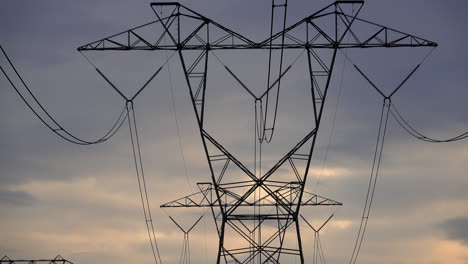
(82,201)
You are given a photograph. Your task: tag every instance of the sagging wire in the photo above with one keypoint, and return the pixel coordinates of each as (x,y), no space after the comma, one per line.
(386,110)
(372,180)
(142,182)
(272,128)
(402,122)
(126,114)
(413,132)
(44,116)
(259,102)
(137,156)
(135,142)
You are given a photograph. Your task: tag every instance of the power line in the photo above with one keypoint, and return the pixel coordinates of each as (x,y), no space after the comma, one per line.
(396,114)
(372,180)
(272,128)
(142,182)
(413,132)
(54,125)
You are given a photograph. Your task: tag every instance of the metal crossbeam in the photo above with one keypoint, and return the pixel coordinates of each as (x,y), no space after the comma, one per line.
(376,35)
(207,198)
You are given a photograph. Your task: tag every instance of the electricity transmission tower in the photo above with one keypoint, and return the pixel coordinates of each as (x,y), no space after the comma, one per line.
(56,260)
(255,212)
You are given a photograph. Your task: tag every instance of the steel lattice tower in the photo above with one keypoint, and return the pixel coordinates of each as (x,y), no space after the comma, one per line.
(56,260)
(233,202)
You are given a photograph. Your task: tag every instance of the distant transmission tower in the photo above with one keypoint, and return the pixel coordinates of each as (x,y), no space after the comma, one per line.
(56,260)
(255,212)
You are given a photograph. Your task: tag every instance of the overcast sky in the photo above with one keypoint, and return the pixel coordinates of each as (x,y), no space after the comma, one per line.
(82,202)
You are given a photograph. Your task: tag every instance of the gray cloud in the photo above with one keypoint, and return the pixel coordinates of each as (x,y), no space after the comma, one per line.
(456,229)
(15,198)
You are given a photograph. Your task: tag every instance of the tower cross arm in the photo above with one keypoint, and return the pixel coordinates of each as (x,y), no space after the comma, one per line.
(207,198)
(334,26)
(375,35)
(179,29)
(338,25)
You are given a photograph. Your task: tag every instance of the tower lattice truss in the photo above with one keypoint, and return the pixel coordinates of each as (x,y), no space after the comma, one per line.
(255,212)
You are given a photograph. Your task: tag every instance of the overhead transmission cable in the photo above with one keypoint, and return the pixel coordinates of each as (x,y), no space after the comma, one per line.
(387,108)
(259,102)
(413,132)
(126,114)
(46,118)
(398,116)
(264,123)
(142,182)
(372,180)
(137,156)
